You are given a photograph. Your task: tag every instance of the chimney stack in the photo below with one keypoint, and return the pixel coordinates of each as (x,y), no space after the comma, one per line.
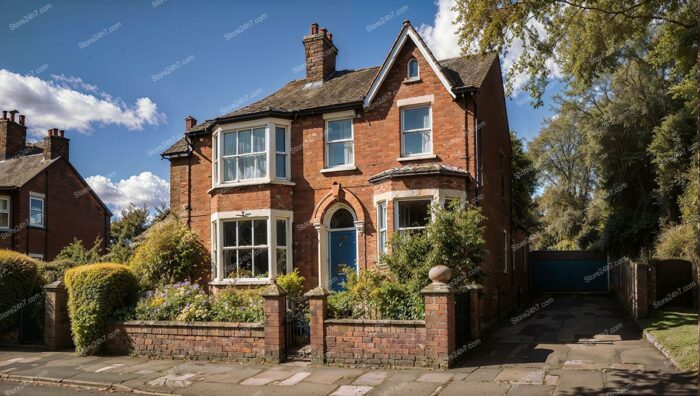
(320,54)
(190,122)
(56,145)
(13,136)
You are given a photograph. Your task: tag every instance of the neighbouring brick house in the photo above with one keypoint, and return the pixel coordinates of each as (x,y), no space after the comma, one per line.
(318,175)
(44,202)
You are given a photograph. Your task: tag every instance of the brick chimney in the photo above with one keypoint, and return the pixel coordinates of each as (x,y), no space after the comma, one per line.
(56,145)
(13,135)
(320,54)
(190,122)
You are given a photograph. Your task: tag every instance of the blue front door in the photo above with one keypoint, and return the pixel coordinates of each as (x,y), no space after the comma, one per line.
(343,254)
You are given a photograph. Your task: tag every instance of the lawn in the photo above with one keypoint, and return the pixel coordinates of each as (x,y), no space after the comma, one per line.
(677,331)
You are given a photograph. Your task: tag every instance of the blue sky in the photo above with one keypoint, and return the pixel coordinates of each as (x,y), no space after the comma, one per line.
(121,76)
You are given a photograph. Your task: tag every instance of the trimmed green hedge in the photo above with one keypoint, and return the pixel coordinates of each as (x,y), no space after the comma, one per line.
(18,281)
(95,292)
(53,271)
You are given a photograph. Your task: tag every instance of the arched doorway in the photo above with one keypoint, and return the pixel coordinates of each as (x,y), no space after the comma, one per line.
(342,245)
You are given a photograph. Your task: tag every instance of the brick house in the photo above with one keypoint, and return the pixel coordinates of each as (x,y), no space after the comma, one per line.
(318,175)
(44,202)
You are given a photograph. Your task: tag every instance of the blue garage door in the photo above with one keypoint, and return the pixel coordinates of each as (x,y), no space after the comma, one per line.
(569,272)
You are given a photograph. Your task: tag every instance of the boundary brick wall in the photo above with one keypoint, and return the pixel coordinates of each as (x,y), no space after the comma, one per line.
(376,342)
(213,340)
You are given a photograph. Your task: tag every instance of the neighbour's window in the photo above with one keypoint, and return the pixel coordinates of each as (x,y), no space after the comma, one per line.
(281,246)
(505,251)
(36,210)
(381,225)
(339,143)
(414,215)
(416,131)
(244,155)
(281,153)
(245,248)
(412,69)
(4,212)
(37,256)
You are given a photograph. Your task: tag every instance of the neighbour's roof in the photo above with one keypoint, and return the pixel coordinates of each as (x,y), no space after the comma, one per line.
(16,172)
(343,88)
(419,170)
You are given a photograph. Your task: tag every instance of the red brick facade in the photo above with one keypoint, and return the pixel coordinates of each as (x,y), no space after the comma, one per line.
(71,210)
(459,140)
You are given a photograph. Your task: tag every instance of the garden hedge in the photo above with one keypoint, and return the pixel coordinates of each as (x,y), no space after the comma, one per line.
(53,271)
(95,291)
(18,282)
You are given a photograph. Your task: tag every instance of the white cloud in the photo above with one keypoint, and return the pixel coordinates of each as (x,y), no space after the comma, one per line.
(68,102)
(442,39)
(142,189)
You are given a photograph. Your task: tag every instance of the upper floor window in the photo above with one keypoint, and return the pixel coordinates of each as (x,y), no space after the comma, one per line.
(36,210)
(416,131)
(412,73)
(254,152)
(4,212)
(244,155)
(413,214)
(339,143)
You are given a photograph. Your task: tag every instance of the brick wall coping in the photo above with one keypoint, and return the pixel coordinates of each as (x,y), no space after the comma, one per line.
(173,323)
(375,322)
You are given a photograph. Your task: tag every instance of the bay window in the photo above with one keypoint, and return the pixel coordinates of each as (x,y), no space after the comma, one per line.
(251,152)
(250,245)
(381,226)
(416,131)
(413,215)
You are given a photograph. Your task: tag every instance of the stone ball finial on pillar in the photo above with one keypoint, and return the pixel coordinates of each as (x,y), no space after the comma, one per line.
(440,274)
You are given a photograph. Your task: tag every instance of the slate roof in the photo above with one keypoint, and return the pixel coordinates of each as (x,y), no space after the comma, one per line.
(419,170)
(16,172)
(343,88)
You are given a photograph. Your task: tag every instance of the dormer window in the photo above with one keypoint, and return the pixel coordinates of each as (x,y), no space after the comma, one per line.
(413,73)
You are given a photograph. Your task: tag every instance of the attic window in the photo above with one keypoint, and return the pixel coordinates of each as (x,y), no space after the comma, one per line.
(412,73)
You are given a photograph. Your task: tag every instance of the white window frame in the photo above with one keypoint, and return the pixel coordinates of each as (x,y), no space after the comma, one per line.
(42,199)
(286,153)
(506,247)
(408,70)
(404,131)
(37,256)
(397,212)
(237,157)
(217,247)
(9,212)
(327,143)
(382,212)
(270,151)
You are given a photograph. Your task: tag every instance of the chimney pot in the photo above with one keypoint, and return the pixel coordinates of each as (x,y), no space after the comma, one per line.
(4,114)
(12,115)
(21,119)
(406,22)
(61,133)
(324,31)
(330,36)
(314,28)
(190,122)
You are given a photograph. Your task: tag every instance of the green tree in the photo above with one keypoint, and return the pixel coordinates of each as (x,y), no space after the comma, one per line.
(523,185)
(77,253)
(132,222)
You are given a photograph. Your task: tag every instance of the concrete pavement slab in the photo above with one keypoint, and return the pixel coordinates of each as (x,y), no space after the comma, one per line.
(474,388)
(576,382)
(371,378)
(483,374)
(351,390)
(331,375)
(295,379)
(267,377)
(435,378)
(405,388)
(233,376)
(519,375)
(530,390)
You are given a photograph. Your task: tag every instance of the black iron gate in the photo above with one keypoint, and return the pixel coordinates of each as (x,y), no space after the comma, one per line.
(298,332)
(462,318)
(31,322)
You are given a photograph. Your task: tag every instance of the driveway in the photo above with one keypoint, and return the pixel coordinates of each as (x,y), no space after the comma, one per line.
(576,345)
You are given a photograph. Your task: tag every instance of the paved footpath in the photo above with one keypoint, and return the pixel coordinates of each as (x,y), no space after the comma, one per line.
(576,345)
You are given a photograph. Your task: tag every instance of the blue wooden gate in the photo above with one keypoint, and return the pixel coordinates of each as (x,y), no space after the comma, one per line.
(569,272)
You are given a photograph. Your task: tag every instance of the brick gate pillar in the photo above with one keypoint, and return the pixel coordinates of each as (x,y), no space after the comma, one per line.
(56,321)
(318,306)
(275,307)
(439,318)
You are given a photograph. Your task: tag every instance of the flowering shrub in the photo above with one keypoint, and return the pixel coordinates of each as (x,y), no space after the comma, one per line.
(189,303)
(172,302)
(238,306)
